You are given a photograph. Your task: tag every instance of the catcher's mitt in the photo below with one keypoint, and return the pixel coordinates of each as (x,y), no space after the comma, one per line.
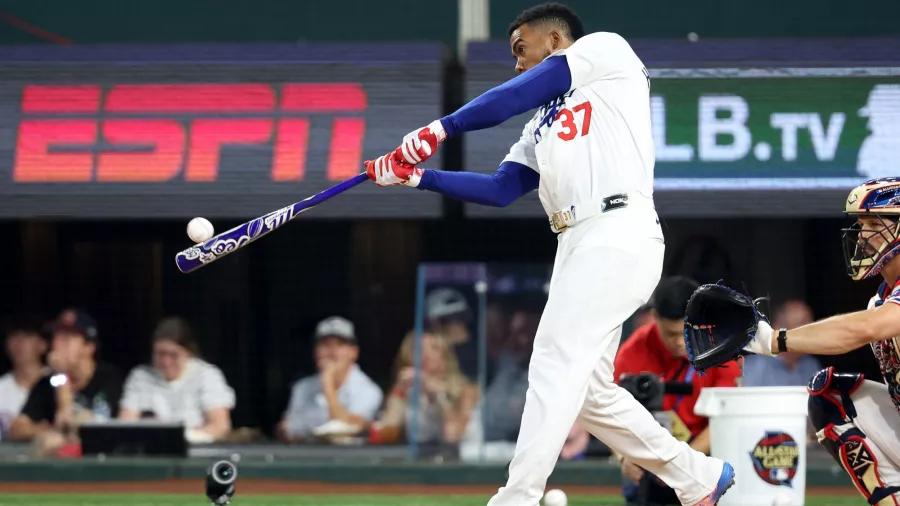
(718,323)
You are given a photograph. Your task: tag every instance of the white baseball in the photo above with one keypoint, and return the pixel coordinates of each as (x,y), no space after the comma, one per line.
(555,497)
(200,230)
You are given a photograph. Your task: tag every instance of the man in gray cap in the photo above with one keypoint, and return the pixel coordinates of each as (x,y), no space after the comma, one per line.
(339,392)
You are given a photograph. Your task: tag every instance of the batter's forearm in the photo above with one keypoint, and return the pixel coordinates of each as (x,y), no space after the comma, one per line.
(508,183)
(527,91)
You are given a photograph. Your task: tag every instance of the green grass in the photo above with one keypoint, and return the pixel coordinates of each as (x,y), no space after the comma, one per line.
(314,500)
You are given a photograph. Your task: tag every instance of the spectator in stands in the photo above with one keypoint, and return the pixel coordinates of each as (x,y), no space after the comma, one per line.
(445,411)
(496,322)
(785,369)
(339,395)
(449,315)
(658,348)
(505,395)
(79,387)
(25,346)
(179,386)
(576,445)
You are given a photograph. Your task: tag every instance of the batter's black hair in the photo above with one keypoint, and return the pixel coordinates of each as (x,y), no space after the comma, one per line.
(671,296)
(556,14)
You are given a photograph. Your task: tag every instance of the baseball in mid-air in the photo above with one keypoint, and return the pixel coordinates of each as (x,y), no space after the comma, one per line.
(555,497)
(200,230)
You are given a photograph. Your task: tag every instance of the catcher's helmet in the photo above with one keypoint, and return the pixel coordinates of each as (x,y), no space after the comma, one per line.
(866,251)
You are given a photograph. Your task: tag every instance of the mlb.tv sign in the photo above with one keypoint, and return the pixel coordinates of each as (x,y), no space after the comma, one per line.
(144,133)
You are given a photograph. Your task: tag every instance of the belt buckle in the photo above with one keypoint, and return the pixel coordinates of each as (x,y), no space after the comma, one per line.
(563,219)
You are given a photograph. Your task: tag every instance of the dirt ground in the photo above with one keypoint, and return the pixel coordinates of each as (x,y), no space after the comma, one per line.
(263,487)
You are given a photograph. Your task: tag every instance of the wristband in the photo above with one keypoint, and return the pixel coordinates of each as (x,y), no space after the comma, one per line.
(782,340)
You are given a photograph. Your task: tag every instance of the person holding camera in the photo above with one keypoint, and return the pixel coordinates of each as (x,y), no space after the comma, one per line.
(651,363)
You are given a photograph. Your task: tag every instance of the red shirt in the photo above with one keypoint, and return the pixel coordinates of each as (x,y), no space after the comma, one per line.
(644,351)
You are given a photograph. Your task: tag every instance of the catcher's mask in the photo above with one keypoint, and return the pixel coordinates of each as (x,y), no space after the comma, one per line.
(867,248)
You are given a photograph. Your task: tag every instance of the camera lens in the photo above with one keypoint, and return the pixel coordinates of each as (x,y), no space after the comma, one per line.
(224,472)
(643,385)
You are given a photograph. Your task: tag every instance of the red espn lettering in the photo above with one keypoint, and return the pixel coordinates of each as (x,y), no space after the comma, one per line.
(157,149)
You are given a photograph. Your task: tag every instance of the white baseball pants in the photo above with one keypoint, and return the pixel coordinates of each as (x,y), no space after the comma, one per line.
(605,269)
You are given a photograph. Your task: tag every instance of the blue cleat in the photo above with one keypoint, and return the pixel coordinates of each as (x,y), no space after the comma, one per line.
(726,480)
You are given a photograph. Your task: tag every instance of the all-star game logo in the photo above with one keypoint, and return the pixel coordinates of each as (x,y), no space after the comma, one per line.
(775,458)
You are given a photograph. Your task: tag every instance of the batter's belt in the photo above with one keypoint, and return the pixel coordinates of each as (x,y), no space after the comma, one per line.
(574,214)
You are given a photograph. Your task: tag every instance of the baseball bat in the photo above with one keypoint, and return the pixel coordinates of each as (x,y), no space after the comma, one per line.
(227,242)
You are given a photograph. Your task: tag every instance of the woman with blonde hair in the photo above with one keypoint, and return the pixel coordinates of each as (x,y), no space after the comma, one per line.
(446,401)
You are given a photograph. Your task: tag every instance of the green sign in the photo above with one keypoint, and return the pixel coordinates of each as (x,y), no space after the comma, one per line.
(838,130)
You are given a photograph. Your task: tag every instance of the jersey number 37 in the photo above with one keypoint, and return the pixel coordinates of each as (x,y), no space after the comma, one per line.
(570,126)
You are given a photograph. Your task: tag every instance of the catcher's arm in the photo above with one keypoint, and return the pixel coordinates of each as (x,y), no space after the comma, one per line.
(839,334)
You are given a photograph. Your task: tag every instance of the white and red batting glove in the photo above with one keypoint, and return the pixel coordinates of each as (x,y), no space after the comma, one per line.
(419,145)
(387,170)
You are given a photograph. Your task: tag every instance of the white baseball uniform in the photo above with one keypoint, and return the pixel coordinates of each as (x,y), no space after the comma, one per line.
(593,148)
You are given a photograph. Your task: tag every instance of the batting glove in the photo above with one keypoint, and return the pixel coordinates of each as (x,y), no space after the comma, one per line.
(421,144)
(388,171)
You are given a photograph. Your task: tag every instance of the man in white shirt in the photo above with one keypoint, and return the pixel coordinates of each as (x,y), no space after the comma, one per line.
(340,394)
(25,346)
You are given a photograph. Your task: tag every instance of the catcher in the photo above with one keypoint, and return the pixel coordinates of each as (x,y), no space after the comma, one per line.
(856,419)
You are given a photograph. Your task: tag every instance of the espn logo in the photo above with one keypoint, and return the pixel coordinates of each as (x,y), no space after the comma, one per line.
(158,132)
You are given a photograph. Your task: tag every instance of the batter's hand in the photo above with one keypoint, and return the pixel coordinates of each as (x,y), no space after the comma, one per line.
(388,171)
(419,145)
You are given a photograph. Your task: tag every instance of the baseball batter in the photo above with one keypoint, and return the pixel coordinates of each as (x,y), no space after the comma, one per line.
(857,419)
(589,152)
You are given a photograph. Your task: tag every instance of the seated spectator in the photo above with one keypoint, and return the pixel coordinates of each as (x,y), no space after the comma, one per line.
(505,395)
(79,388)
(179,386)
(25,346)
(785,369)
(658,348)
(445,411)
(448,314)
(340,394)
(576,445)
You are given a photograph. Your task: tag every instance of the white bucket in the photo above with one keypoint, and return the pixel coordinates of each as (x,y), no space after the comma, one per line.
(761,431)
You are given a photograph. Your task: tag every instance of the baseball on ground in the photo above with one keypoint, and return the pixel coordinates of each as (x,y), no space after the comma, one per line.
(200,230)
(555,497)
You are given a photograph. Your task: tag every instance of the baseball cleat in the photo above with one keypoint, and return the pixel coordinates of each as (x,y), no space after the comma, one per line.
(726,480)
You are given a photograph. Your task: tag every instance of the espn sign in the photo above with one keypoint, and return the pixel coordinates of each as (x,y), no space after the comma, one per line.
(143,133)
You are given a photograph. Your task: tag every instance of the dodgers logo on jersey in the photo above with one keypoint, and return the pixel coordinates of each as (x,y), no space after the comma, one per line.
(776,458)
(548,114)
